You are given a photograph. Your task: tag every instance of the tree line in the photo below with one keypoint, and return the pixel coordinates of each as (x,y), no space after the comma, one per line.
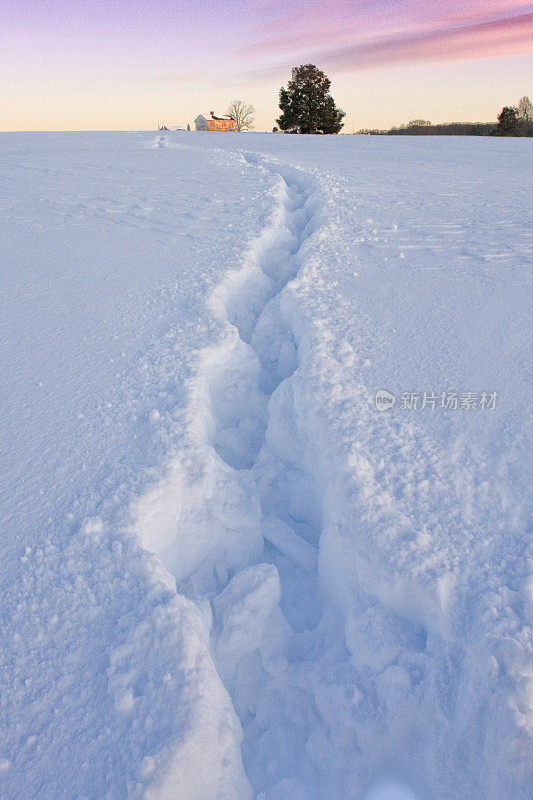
(512,121)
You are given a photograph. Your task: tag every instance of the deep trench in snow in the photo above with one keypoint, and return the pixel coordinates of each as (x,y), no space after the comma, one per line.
(253,411)
(250,393)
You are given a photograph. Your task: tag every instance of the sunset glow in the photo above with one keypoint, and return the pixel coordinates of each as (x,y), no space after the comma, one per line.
(120,65)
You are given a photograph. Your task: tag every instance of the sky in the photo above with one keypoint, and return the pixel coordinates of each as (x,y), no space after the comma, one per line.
(131,64)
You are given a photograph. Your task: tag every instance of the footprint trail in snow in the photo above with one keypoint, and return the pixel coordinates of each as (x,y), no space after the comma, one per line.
(255,428)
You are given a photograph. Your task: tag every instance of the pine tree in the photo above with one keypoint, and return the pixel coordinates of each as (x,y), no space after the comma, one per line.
(508,122)
(306,103)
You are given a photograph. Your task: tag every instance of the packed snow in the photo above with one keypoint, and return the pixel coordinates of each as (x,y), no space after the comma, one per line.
(227,572)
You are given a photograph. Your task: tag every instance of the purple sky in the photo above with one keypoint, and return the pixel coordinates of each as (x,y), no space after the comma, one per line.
(130,63)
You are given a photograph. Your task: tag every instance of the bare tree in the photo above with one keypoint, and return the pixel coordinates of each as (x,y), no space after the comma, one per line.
(525,108)
(243,114)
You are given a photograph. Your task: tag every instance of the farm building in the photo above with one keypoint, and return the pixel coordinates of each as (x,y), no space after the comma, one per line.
(210,122)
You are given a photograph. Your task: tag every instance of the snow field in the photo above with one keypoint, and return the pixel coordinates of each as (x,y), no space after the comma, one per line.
(352,615)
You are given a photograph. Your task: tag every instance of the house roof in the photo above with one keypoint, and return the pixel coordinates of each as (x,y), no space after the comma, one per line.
(223,117)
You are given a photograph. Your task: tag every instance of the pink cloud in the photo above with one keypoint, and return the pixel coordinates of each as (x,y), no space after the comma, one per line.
(502,37)
(455,33)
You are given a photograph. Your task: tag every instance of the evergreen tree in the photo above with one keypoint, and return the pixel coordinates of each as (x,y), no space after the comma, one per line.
(508,122)
(306,104)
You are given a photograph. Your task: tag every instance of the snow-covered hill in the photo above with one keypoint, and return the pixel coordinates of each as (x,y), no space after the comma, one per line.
(225,573)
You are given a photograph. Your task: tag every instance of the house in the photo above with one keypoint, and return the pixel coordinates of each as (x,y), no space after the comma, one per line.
(210,122)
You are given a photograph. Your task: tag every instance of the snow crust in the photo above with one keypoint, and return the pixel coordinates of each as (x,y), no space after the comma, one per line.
(225,573)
